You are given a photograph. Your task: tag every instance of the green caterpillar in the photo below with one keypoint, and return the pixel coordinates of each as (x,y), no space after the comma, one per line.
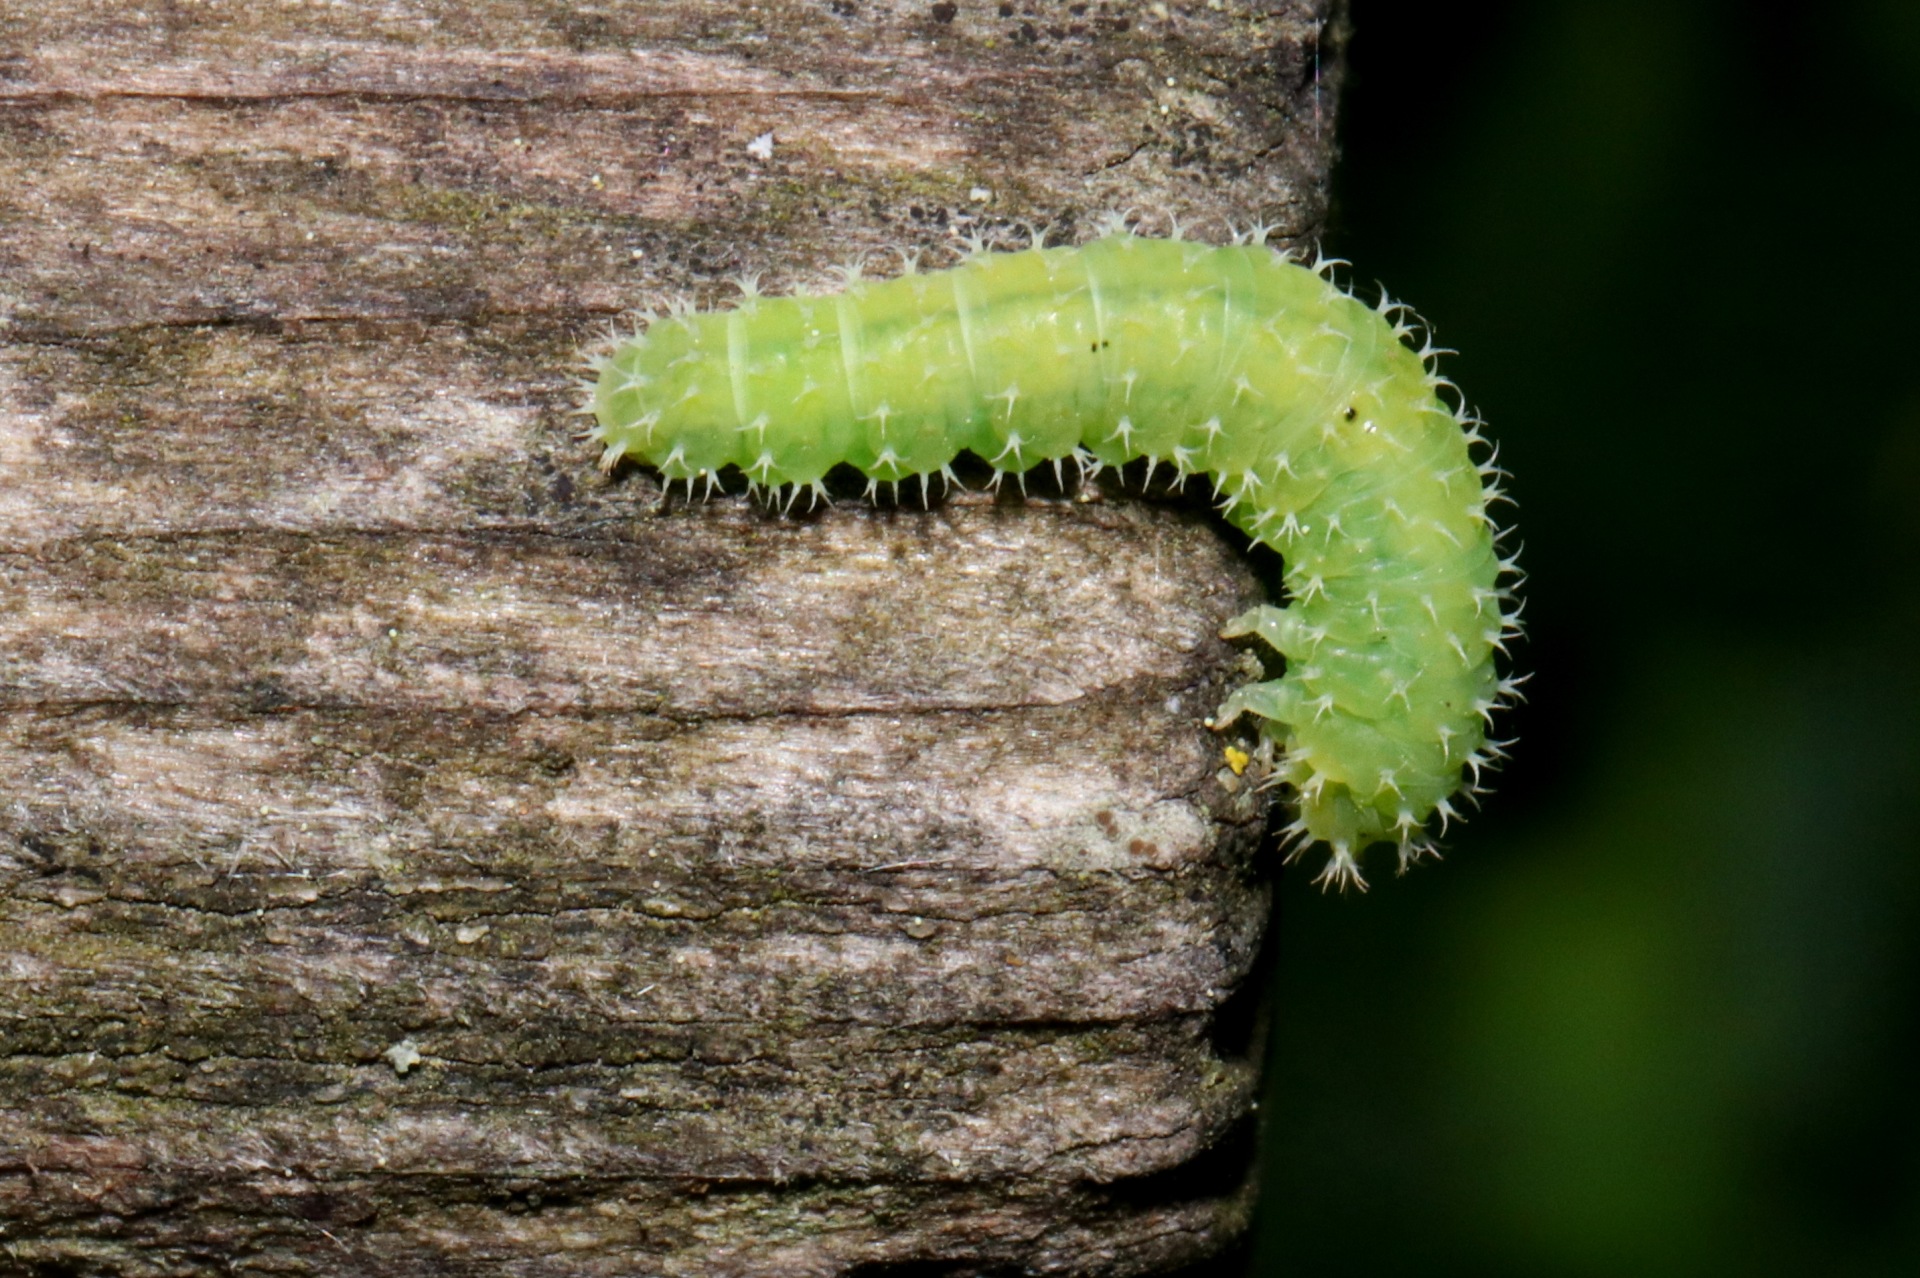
(1321,428)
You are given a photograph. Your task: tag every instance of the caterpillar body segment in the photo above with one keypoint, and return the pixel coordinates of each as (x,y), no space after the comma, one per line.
(1320,428)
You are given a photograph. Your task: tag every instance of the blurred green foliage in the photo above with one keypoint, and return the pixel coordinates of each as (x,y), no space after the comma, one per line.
(1659,1010)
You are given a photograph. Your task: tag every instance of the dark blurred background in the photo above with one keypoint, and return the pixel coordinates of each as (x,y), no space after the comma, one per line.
(1656,1011)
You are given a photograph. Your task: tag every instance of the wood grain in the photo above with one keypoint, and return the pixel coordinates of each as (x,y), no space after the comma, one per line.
(423,854)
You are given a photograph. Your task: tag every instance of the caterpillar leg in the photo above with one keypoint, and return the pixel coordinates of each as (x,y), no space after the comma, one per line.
(1333,807)
(1274,625)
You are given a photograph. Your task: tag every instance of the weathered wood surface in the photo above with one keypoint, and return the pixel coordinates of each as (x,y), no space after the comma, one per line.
(421,854)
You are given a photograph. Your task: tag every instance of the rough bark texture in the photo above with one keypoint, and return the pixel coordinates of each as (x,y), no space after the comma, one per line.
(421,854)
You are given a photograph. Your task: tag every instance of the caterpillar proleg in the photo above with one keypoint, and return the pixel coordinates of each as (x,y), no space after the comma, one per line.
(1321,427)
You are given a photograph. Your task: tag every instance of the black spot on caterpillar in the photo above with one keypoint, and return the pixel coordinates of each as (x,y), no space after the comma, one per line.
(1320,425)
